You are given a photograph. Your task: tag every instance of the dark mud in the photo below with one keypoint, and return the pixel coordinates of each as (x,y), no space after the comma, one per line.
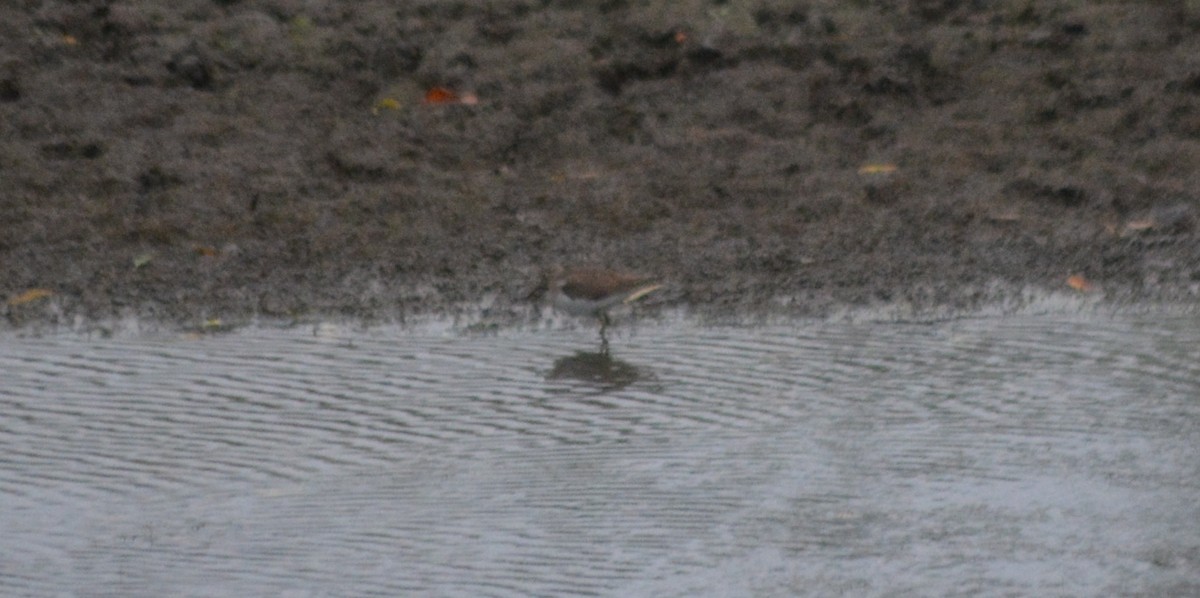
(181,161)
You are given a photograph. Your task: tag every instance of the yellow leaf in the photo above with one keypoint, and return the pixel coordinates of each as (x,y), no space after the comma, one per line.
(386,104)
(877,169)
(300,27)
(30,295)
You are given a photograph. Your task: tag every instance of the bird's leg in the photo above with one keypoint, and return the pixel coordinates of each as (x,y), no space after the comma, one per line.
(603,330)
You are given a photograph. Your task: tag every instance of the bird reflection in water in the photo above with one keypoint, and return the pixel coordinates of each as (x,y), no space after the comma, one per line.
(598,370)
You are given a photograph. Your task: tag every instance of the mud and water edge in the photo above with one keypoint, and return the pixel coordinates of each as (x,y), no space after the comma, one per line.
(230,161)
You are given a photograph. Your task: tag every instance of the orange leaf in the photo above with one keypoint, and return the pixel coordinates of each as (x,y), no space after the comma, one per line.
(440,95)
(30,295)
(681,36)
(1079,283)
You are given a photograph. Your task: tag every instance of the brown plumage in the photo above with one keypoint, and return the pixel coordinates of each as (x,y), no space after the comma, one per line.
(594,284)
(591,291)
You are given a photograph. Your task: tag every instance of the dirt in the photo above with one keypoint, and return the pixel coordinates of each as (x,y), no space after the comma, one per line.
(182,161)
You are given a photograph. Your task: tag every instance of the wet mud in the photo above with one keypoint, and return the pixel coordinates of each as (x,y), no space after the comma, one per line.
(184,161)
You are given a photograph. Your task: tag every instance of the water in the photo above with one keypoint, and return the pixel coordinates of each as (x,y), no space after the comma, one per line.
(1035,455)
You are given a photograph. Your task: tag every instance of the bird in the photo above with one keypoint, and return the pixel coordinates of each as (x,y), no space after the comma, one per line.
(593,291)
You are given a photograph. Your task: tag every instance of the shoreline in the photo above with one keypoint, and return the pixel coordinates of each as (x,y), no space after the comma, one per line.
(376,161)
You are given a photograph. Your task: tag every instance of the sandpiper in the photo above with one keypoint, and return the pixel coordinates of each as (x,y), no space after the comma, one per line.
(592,291)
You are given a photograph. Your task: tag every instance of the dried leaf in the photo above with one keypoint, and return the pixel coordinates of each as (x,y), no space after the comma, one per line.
(70,40)
(877,169)
(30,295)
(1079,283)
(440,95)
(207,250)
(385,104)
(1141,225)
(300,27)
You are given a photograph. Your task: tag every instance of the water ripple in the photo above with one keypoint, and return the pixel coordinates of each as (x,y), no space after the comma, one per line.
(710,460)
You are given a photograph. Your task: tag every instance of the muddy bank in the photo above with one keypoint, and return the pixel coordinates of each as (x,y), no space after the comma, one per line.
(226,159)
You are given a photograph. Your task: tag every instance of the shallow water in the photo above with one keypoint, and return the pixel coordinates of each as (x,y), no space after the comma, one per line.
(1036,455)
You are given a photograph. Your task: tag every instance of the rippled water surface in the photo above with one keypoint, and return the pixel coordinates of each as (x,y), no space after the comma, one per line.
(1049,455)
